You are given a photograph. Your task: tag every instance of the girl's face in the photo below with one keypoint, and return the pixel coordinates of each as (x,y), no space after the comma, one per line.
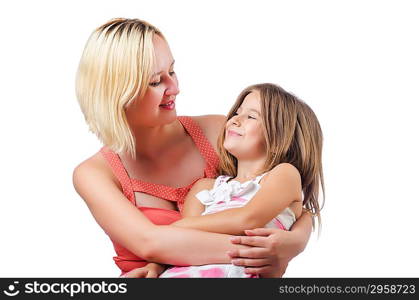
(157,107)
(244,131)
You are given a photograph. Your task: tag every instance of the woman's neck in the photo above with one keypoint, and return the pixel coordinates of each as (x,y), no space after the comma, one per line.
(154,142)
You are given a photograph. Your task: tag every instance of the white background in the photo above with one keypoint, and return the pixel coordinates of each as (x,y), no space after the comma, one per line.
(356,63)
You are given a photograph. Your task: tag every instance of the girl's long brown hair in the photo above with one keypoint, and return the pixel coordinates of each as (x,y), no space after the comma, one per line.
(292,135)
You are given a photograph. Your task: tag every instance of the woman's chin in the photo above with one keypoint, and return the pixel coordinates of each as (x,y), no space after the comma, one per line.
(167,117)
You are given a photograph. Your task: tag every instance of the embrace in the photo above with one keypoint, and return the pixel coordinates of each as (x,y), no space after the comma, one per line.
(200,196)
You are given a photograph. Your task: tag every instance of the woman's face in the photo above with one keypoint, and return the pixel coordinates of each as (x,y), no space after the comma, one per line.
(157,107)
(244,131)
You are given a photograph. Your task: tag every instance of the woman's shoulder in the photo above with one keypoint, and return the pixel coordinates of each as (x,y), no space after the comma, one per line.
(211,126)
(91,169)
(209,118)
(95,161)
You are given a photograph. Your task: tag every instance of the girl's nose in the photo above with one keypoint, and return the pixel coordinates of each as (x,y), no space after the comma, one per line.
(236,120)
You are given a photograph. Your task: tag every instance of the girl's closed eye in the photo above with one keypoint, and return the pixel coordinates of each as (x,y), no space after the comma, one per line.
(251,117)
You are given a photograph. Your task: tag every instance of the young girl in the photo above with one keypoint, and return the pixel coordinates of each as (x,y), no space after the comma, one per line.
(271,169)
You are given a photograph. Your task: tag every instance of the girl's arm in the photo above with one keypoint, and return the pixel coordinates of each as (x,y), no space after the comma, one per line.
(276,247)
(192,206)
(126,225)
(281,187)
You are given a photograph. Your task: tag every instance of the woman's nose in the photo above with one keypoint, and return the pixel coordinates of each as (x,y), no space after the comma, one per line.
(172,87)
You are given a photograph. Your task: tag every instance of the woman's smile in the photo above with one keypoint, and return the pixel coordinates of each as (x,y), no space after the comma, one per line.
(170,105)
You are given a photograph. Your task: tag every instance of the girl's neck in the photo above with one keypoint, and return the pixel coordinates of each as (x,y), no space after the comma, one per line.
(154,142)
(249,169)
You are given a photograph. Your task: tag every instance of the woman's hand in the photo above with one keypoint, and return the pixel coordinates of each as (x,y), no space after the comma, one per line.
(152,270)
(271,251)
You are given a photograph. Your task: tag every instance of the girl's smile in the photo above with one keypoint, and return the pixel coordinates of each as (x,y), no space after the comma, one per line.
(233,133)
(244,131)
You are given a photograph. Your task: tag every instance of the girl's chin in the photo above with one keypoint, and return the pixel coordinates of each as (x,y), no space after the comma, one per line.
(231,150)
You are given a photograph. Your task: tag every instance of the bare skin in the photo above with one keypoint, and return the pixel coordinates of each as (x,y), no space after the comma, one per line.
(126,225)
(161,141)
(280,188)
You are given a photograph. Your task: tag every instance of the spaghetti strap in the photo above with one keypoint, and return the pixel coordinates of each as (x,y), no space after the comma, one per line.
(120,172)
(176,194)
(259,178)
(125,259)
(203,145)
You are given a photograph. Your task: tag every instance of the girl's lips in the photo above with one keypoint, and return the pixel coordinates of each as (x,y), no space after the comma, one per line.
(168,105)
(233,133)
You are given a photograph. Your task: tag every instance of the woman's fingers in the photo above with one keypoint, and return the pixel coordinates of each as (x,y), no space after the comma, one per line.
(255,241)
(258,270)
(253,262)
(136,273)
(260,232)
(249,253)
(151,274)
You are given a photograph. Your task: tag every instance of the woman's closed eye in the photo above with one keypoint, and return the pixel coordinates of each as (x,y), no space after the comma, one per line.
(155,83)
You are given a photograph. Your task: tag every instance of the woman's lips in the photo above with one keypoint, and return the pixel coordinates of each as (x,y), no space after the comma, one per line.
(168,105)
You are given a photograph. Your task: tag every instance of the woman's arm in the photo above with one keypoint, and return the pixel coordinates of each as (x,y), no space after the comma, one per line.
(276,247)
(151,270)
(281,187)
(271,249)
(126,225)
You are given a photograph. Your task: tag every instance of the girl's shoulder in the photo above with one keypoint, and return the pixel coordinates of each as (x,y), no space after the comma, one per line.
(285,177)
(204,184)
(281,171)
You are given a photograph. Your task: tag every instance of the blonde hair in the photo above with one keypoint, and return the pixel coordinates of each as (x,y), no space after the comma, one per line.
(292,135)
(114,69)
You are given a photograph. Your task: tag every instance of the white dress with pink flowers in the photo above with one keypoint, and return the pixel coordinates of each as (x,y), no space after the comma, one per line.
(224,195)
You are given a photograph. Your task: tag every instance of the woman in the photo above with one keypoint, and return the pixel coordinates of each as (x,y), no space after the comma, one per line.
(127,88)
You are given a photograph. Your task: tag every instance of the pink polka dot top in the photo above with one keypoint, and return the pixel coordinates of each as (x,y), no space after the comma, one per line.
(125,259)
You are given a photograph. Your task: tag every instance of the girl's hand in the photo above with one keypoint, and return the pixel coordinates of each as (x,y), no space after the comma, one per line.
(270,253)
(152,270)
